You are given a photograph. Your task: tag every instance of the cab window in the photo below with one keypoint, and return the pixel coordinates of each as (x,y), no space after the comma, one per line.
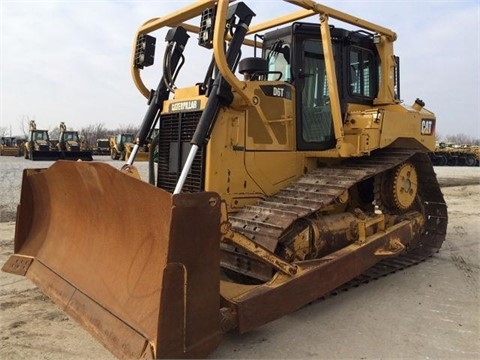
(362,73)
(317,116)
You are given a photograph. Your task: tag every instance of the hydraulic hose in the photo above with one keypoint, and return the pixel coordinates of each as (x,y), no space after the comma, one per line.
(221,91)
(179,36)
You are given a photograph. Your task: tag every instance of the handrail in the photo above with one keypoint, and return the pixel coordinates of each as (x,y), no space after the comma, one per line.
(173,19)
(347,18)
(310,7)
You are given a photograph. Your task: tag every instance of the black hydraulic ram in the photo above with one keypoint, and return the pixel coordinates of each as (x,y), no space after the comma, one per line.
(177,39)
(220,94)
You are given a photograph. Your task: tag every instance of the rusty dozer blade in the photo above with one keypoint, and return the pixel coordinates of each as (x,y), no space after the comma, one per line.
(135,265)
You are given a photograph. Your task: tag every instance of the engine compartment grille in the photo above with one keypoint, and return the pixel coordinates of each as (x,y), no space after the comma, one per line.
(176,131)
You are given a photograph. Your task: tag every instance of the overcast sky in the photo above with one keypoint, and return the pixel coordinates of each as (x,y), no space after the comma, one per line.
(69,60)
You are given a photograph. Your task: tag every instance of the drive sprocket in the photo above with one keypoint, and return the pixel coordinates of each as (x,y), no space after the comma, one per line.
(397,189)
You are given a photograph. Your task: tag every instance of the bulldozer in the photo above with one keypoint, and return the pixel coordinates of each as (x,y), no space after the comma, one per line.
(38,145)
(70,146)
(281,177)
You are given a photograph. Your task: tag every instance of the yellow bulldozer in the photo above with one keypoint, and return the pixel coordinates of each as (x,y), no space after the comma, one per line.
(281,177)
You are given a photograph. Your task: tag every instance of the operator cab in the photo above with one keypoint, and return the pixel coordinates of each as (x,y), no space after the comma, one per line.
(69,136)
(296,53)
(124,138)
(38,135)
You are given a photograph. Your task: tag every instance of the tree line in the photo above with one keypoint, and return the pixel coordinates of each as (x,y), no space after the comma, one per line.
(99,131)
(458,139)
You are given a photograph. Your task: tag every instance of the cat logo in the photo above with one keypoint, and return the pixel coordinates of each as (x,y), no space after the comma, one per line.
(190,105)
(427,127)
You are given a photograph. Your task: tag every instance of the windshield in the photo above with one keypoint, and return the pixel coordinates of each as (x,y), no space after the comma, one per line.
(40,135)
(70,136)
(128,138)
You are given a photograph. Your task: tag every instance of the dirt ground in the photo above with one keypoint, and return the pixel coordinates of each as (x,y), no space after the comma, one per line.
(431,310)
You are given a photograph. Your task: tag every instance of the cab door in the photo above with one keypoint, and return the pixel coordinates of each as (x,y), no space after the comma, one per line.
(314,116)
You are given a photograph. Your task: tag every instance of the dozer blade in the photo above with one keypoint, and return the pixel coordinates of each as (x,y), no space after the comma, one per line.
(137,266)
(77,155)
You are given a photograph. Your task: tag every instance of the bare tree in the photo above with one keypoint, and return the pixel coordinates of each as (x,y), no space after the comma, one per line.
(23,122)
(3,131)
(54,133)
(460,139)
(127,129)
(93,132)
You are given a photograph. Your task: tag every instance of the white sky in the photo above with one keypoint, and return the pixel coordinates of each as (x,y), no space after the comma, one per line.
(69,60)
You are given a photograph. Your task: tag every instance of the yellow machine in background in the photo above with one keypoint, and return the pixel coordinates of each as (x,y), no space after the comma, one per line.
(119,145)
(70,146)
(102,147)
(142,154)
(11,146)
(39,146)
(272,189)
(455,155)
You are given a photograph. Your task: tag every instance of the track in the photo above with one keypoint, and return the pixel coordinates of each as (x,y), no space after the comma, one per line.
(266,222)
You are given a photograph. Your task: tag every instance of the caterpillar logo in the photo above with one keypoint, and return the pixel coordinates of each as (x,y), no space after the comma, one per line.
(427,127)
(191,105)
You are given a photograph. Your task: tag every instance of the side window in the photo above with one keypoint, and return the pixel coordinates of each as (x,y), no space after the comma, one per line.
(279,62)
(362,73)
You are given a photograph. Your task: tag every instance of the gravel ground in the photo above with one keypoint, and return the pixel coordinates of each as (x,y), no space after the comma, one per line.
(427,311)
